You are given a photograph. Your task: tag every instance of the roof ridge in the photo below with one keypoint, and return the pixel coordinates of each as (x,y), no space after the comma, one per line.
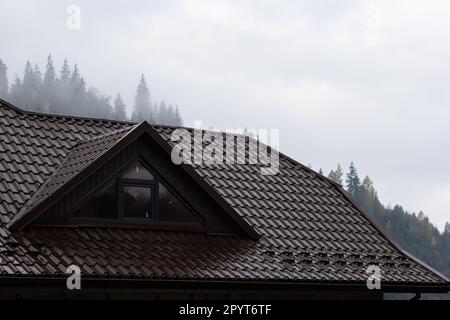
(60,116)
(155,125)
(308,169)
(97,137)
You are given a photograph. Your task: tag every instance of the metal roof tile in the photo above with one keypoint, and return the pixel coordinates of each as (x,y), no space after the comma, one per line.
(295,210)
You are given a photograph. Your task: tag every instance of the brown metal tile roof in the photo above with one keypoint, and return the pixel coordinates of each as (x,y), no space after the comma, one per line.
(83,154)
(309,230)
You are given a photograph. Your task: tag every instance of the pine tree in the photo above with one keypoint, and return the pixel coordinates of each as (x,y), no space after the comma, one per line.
(69,95)
(28,87)
(336,175)
(49,85)
(78,104)
(142,103)
(15,94)
(339,174)
(321,171)
(28,78)
(65,73)
(4,86)
(49,76)
(352,180)
(119,109)
(37,76)
(75,79)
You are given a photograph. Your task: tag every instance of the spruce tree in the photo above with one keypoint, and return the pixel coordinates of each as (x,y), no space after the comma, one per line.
(65,73)
(36,94)
(4,86)
(28,78)
(119,109)
(49,81)
(15,94)
(78,88)
(339,174)
(28,87)
(74,78)
(352,181)
(37,76)
(142,103)
(77,91)
(49,86)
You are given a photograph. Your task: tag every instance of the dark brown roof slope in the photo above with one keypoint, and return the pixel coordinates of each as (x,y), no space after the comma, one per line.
(83,154)
(310,231)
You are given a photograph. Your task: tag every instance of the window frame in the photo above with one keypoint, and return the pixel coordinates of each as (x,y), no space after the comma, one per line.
(125,182)
(121,220)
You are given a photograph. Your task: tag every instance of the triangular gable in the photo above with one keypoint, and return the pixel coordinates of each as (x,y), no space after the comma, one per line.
(87,157)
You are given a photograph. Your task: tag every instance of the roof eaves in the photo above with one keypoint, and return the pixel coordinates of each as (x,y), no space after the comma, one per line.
(222,284)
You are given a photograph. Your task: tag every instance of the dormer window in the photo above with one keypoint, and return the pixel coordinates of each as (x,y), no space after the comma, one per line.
(137,192)
(136,196)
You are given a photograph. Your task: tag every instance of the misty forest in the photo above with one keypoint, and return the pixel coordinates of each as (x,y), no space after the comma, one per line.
(66,92)
(412,232)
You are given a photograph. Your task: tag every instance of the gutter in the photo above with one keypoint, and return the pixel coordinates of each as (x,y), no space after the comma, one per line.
(161,285)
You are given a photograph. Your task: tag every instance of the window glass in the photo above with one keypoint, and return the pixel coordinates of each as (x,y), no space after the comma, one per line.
(137,202)
(171,209)
(101,205)
(137,171)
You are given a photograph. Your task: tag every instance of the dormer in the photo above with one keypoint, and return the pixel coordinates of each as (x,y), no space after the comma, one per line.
(126,179)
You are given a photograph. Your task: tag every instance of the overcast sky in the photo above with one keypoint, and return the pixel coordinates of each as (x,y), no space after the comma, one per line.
(362,81)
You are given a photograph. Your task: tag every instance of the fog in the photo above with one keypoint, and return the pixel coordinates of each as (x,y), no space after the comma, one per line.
(362,81)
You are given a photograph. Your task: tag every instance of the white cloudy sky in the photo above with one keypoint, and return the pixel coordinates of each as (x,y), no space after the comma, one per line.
(362,81)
